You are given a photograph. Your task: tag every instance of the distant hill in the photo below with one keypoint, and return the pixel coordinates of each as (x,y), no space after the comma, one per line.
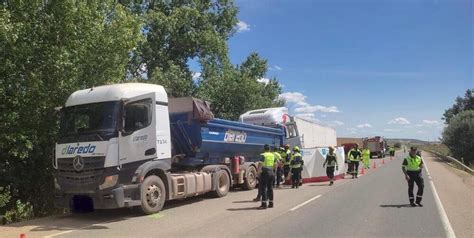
(405,140)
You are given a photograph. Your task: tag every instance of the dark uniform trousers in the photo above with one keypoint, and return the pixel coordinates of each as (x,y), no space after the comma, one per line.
(295,176)
(279,173)
(266,184)
(415,177)
(354,167)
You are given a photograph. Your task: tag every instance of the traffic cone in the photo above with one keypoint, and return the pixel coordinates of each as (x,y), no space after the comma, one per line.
(22,236)
(383,161)
(375,165)
(362,171)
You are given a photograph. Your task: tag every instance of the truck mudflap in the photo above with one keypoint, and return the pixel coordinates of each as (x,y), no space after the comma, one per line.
(107,199)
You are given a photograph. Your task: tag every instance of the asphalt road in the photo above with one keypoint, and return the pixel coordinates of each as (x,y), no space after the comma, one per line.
(374,205)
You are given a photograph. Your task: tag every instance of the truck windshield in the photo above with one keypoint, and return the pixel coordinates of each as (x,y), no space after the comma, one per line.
(99,119)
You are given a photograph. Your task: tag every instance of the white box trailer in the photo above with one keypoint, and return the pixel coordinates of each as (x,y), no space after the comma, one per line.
(314,135)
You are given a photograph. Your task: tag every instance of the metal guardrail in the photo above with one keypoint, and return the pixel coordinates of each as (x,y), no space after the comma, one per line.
(455,161)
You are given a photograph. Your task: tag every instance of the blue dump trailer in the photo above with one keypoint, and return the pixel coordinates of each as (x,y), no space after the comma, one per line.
(212,141)
(200,140)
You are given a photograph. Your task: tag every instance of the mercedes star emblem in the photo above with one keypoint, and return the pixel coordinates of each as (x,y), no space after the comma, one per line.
(78,163)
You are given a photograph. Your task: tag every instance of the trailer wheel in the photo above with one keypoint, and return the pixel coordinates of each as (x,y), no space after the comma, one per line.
(223,183)
(250,178)
(152,194)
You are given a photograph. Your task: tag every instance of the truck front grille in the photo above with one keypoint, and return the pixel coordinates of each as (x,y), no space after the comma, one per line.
(88,179)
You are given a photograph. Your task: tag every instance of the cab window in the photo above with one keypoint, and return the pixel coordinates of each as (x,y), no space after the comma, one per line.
(138,115)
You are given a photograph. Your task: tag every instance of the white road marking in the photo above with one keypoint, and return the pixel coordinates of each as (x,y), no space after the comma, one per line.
(442,213)
(304,203)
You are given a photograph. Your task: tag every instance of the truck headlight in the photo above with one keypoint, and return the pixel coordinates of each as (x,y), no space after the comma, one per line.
(109,181)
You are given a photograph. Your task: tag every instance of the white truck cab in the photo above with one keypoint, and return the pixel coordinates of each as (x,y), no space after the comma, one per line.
(106,133)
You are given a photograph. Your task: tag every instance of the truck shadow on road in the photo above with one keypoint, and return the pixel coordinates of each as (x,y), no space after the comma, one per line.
(242,209)
(396,206)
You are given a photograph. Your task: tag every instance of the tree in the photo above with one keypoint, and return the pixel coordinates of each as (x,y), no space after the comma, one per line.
(235,90)
(462,104)
(177,31)
(397,145)
(50,49)
(459,136)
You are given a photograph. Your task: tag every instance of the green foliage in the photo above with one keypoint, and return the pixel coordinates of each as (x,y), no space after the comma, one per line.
(459,136)
(50,49)
(235,90)
(20,212)
(462,104)
(397,145)
(4,196)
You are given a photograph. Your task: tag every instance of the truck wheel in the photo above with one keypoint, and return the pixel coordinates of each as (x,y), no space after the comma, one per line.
(223,183)
(250,178)
(152,194)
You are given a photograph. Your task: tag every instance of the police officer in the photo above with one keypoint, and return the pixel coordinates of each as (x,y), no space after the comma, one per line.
(331,165)
(411,167)
(267,166)
(296,167)
(392,151)
(286,161)
(354,157)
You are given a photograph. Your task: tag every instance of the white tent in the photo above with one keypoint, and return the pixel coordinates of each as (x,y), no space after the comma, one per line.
(313,170)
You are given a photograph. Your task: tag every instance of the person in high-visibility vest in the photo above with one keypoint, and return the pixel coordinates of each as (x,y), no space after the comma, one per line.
(279,168)
(354,157)
(366,158)
(392,151)
(286,162)
(412,167)
(296,167)
(331,165)
(266,166)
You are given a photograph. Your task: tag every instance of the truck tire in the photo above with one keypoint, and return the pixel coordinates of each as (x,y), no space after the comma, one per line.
(250,180)
(223,183)
(152,194)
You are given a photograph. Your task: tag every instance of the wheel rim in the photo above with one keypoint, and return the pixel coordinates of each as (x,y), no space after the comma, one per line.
(153,195)
(252,177)
(223,182)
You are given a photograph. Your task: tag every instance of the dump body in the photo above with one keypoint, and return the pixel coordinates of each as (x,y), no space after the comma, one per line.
(205,141)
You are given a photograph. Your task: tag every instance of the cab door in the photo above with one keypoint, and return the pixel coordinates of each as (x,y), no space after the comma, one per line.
(137,139)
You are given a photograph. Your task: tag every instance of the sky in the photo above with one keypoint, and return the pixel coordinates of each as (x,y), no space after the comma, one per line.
(365,67)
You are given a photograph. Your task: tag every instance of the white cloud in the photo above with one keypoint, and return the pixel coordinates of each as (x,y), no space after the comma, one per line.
(309,108)
(293,97)
(323,116)
(351,129)
(308,116)
(197,76)
(391,130)
(366,125)
(335,123)
(400,121)
(242,26)
(276,67)
(263,80)
(428,122)
(420,132)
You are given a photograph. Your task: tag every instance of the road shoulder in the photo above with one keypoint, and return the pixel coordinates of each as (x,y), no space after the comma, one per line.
(456,191)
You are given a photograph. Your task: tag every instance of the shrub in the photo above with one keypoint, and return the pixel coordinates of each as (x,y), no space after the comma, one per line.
(459,136)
